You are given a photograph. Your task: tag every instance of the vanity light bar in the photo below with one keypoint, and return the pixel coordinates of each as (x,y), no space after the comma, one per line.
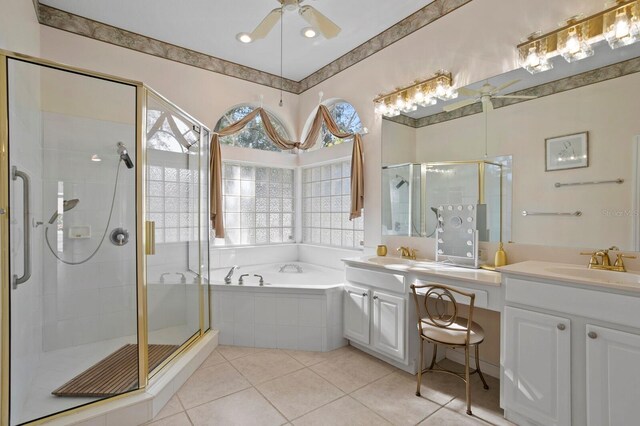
(619,25)
(420,93)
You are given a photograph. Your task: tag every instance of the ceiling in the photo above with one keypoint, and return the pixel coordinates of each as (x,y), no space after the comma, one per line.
(210,27)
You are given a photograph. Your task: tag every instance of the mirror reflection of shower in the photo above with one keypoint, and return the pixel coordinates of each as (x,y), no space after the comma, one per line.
(67,205)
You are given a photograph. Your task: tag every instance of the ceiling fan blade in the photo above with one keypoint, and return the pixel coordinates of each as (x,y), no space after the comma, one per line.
(504,86)
(464,91)
(267,24)
(457,105)
(317,20)
(514,97)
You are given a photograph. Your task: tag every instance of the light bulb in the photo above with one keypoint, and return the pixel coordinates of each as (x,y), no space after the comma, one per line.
(623,31)
(536,62)
(309,32)
(622,25)
(244,38)
(575,47)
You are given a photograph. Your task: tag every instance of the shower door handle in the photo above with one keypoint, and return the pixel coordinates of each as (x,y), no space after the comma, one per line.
(26,184)
(150,243)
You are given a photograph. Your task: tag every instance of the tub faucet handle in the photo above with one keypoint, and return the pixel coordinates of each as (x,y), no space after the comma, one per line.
(241,279)
(261,279)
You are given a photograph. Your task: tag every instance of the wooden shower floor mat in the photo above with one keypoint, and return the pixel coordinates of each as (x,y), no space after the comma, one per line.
(115,374)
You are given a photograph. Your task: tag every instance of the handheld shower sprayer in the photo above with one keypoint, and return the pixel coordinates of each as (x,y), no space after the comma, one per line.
(66,206)
(124,155)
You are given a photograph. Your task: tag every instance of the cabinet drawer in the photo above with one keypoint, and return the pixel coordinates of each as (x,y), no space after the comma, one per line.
(481,295)
(617,308)
(387,281)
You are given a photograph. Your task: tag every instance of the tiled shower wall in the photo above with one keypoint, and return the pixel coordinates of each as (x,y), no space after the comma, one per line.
(95,300)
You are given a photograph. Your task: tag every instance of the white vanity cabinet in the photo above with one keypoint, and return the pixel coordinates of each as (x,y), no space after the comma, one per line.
(356,313)
(388,322)
(537,368)
(375,311)
(570,353)
(613,376)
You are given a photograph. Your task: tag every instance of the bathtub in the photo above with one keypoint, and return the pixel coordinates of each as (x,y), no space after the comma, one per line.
(292,310)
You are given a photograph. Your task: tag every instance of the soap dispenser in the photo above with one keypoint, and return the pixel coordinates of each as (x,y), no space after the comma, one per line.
(501,256)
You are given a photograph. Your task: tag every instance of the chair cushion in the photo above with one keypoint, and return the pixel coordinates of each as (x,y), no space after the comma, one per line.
(455,334)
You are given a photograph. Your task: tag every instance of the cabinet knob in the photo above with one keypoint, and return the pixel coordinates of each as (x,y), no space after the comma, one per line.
(375,297)
(592,335)
(365,294)
(561,327)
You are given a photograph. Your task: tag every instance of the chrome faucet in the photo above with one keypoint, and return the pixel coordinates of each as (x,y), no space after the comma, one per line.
(227,278)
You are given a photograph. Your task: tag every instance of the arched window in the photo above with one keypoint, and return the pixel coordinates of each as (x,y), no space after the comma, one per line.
(347,119)
(168,132)
(253,135)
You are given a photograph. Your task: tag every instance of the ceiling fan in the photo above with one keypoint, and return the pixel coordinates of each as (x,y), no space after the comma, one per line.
(316,20)
(486,93)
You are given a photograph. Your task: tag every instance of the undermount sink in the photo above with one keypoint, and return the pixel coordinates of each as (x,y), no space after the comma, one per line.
(387,261)
(595,274)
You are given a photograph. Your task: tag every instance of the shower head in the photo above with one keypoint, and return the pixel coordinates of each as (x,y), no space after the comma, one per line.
(66,205)
(124,155)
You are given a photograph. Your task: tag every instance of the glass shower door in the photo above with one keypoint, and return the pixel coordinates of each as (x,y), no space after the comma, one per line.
(174,259)
(72,238)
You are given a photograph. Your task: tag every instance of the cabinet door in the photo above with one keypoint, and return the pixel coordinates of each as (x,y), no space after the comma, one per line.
(612,377)
(389,324)
(356,314)
(537,366)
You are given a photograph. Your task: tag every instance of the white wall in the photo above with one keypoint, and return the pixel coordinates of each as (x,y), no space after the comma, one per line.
(203,94)
(19,28)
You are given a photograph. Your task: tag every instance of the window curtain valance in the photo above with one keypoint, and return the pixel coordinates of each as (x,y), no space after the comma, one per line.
(322,116)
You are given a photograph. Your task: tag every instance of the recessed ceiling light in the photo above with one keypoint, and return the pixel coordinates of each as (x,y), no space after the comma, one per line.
(95,158)
(309,32)
(244,37)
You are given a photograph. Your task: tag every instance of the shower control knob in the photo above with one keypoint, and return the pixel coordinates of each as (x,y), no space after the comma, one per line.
(119,236)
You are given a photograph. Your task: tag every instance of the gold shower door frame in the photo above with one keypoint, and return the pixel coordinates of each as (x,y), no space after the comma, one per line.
(143,238)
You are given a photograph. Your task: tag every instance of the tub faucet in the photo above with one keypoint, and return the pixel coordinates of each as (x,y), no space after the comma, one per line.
(227,278)
(241,279)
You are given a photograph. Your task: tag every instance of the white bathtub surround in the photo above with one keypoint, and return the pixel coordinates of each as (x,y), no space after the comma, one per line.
(221,256)
(292,310)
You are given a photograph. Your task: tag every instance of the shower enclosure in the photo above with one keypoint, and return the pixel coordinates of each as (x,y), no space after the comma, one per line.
(104,236)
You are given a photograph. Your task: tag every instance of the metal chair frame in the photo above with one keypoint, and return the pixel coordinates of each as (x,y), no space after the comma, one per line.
(440,318)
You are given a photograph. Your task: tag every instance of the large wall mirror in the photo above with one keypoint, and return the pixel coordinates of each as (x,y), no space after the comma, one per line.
(568,158)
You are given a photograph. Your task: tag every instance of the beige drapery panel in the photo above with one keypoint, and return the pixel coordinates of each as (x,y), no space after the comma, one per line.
(322,116)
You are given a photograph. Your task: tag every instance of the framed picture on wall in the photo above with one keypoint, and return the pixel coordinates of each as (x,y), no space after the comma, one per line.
(567,152)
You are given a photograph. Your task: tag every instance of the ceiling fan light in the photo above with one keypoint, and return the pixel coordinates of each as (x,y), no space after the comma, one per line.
(622,27)
(244,38)
(309,32)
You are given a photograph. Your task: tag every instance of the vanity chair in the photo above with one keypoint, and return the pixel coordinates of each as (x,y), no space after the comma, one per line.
(439,327)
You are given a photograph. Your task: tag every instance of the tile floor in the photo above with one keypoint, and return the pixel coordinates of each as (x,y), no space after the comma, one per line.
(250,386)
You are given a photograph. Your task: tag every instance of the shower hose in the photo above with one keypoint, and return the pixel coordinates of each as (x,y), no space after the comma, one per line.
(106,229)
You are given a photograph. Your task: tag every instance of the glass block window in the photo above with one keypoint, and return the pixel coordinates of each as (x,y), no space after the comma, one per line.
(258,204)
(326,202)
(172,203)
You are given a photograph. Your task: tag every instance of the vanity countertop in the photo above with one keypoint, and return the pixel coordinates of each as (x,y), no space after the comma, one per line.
(427,268)
(575,274)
